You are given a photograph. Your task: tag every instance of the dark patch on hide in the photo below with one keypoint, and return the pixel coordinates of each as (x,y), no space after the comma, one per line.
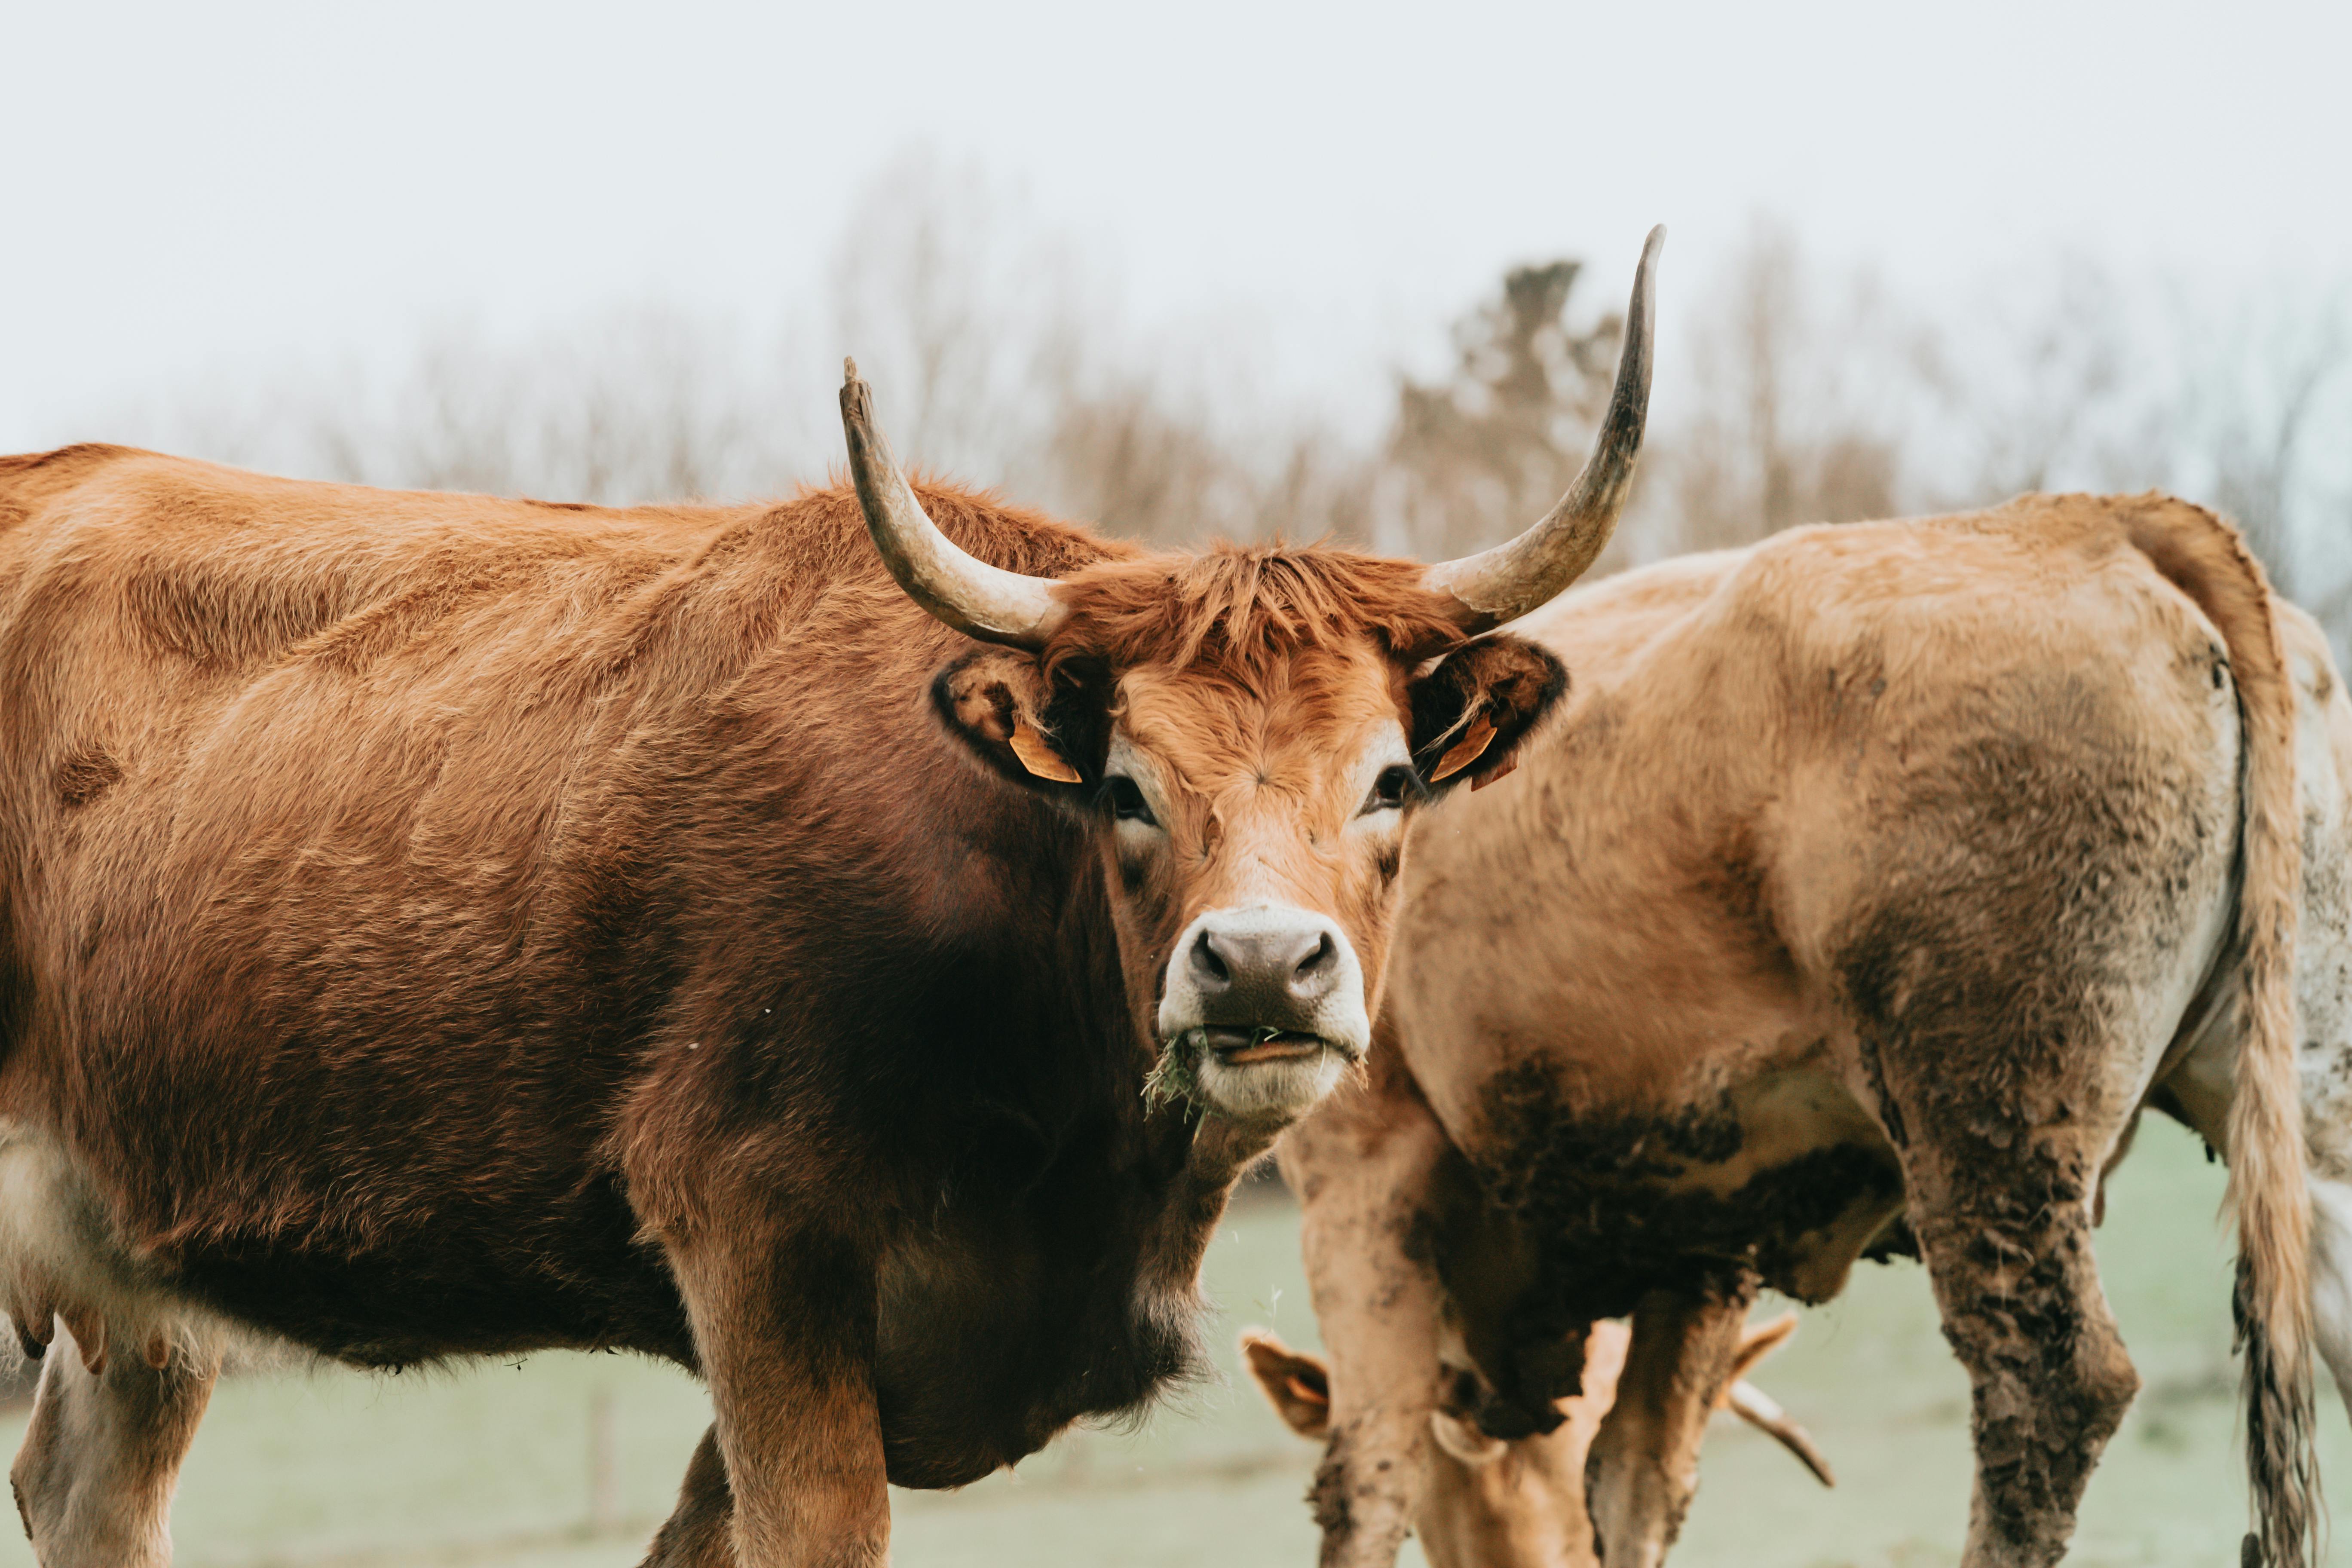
(1327,1498)
(1021,1261)
(472,1279)
(1735,880)
(87,772)
(1589,1194)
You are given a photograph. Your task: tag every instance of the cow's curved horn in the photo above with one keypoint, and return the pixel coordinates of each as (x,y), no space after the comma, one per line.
(975,598)
(1762,1411)
(1506,582)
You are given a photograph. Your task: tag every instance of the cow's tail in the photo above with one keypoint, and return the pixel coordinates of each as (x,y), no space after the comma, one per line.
(2209,561)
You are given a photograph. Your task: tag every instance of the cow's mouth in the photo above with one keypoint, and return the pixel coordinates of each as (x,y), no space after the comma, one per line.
(1245,1047)
(1249,1070)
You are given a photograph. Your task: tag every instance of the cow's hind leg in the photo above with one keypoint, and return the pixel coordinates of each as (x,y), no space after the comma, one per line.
(102,1455)
(2003,1213)
(699,1532)
(2005,1079)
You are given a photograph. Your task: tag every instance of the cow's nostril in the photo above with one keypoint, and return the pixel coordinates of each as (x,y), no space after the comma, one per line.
(1322,956)
(1315,966)
(1208,964)
(1262,973)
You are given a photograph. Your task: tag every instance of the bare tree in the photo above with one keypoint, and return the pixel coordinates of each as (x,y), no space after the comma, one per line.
(1802,396)
(1801,392)
(1142,459)
(1123,457)
(617,405)
(2260,386)
(973,320)
(1472,458)
(1004,364)
(2043,388)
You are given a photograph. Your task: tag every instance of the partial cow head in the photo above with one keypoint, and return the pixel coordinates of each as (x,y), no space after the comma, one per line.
(1246,729)
(1520,1504)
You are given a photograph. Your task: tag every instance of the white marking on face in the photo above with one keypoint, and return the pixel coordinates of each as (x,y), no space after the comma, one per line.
(1386,750)
(1124,762)
(1272,966)
(1276,966)
(1267,1090)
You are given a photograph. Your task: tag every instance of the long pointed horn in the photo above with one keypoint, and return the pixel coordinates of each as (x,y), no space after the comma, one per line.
(1760,1409)
(1506,582)
(975,598)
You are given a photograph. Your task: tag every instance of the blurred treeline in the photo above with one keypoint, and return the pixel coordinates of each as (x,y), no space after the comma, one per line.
(1786,393)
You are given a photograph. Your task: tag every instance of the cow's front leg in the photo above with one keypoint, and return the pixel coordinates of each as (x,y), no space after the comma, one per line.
(793,1463)
(1643,1468)
(1364,1167)
(102,1454)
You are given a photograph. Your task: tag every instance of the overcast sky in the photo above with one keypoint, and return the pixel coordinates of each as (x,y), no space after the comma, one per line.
(196,191)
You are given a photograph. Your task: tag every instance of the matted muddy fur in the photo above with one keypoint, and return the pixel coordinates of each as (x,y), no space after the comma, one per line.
(1866,887)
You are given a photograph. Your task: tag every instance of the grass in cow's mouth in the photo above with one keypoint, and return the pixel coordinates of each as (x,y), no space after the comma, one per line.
(1177,1075)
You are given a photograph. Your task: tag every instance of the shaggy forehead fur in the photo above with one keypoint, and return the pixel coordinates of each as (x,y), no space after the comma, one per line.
(1241,611)
(1281,730)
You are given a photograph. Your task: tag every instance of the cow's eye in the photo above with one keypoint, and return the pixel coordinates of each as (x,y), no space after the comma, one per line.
(1126,801)
(1391,789)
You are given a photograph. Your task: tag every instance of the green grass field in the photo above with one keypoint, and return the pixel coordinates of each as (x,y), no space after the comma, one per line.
(491,1466)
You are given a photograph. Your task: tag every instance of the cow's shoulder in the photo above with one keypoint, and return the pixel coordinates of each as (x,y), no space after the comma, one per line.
(1600,624)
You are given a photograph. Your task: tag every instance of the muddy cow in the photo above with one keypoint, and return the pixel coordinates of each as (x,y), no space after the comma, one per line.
(436,926)
(1866,888)
(1489,1504)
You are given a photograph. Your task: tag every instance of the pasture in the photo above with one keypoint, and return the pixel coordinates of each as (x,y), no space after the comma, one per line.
(491,1466)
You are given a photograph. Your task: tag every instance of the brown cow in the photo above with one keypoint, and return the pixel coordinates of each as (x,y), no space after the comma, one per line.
(1867,886)
(434,926)
(1489,1504)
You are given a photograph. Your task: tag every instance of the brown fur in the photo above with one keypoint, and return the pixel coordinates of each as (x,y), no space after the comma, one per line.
(1241,609)
(1869,875)
(434,925)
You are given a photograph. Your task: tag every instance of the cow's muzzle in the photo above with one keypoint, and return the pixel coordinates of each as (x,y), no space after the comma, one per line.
(1270,1000)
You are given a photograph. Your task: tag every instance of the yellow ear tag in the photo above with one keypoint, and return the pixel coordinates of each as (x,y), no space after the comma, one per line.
(1467,750)
(1038,757)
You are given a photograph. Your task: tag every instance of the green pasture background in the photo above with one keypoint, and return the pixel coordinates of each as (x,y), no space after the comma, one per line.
(491,1467)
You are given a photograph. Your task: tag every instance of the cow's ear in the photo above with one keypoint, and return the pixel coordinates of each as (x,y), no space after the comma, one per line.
(1470,713)
(1297,1384)
(1049,732)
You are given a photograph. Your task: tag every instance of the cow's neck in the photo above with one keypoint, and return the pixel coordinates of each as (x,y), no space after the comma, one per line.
(1052,1268)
